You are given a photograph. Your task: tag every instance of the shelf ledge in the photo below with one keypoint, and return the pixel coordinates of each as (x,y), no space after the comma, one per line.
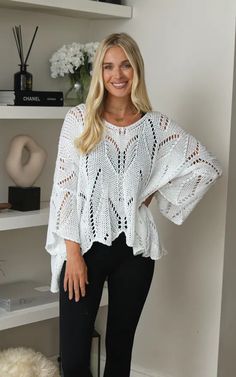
(72,8)
(11,219)
(33,112)
(36,313)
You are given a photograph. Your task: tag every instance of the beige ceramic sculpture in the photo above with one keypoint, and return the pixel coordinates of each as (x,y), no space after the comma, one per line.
(25,174)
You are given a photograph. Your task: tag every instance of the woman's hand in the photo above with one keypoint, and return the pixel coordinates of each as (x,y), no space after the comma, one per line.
(76,275)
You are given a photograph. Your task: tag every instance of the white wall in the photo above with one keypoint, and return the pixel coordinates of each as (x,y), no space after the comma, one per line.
(227,347)
(188,49)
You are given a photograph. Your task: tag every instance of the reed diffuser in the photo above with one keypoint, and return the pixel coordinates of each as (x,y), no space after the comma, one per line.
(23,80)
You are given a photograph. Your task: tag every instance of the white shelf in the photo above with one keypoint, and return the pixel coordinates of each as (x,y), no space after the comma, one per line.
(33,112)
(35,313)
(73,8)
(10,219)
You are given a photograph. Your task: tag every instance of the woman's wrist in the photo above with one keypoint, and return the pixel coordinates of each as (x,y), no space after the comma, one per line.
(72,248)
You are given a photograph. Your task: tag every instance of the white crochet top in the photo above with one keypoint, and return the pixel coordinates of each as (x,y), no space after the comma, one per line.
(97,196)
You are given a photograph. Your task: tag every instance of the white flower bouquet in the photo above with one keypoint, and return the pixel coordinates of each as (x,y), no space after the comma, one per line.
(74,60)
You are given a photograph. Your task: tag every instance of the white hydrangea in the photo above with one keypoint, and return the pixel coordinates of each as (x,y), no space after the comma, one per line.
(70,57)
(90,49)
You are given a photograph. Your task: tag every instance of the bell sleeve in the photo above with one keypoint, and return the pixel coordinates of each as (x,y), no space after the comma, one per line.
(189,171)
(63,217)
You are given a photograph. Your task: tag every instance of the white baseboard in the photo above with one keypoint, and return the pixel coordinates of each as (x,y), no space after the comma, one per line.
(135,370)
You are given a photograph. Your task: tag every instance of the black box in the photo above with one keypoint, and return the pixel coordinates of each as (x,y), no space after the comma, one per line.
(24,198)
(112,1)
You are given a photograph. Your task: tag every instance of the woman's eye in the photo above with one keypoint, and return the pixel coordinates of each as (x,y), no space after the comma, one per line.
(107,67)
(126,65)
(110,66)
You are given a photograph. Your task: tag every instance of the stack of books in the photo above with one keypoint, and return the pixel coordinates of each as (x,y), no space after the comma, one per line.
(7,97)
(30,98)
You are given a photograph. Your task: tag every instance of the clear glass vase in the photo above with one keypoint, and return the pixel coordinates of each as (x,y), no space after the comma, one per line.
(74,94)
(79,86)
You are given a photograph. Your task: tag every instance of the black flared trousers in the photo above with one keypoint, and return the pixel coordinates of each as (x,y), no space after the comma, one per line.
(129,278)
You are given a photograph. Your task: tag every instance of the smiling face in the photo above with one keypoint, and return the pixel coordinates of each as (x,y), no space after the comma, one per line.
(117,72)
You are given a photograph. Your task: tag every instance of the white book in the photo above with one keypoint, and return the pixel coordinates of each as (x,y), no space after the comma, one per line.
(22,294)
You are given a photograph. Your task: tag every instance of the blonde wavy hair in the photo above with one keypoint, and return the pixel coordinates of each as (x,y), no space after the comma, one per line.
(94,124)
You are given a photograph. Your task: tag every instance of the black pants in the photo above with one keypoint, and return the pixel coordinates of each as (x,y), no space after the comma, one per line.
(129,278)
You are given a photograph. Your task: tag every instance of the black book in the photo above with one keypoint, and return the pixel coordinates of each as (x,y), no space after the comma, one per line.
(38,98)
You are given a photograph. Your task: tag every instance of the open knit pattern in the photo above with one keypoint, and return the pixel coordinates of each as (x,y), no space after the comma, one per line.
(97,196)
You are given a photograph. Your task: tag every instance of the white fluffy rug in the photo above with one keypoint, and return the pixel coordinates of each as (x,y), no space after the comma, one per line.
(25,362)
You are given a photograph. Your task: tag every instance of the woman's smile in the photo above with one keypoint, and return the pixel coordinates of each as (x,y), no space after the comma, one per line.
(119,85)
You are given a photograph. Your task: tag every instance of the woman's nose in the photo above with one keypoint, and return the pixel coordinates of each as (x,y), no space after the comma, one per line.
(117,72)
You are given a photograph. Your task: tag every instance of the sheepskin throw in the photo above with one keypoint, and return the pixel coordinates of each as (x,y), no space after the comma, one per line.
(25,362)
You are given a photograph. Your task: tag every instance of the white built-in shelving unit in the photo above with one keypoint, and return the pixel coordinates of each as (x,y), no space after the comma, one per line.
(10,219)
(73,8)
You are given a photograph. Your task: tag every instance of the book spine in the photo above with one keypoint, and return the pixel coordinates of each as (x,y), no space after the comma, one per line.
(38,99)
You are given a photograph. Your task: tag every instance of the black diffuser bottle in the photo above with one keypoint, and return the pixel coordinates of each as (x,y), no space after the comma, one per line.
(23,80)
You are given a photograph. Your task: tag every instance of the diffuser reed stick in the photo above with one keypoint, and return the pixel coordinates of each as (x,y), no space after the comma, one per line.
(23,79)
(19,43)
(31,44)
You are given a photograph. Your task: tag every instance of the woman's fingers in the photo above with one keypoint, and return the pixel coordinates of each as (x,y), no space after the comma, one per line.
(75,281)
(86,276)
(71,288)
(65,282)
(82,289)
(76,290)
(83,282)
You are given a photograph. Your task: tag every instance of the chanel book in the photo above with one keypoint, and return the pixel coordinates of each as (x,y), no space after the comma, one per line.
(38,98)
(31,98)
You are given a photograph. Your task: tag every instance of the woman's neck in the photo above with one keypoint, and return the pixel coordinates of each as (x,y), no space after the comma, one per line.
(119,106)
(120,111)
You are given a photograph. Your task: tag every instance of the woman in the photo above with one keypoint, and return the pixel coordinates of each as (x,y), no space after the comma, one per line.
(114,155)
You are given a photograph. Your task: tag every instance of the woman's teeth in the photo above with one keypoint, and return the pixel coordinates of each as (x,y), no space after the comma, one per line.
(119,85)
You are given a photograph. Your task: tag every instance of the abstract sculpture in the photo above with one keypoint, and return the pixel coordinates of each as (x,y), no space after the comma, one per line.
(24,172)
